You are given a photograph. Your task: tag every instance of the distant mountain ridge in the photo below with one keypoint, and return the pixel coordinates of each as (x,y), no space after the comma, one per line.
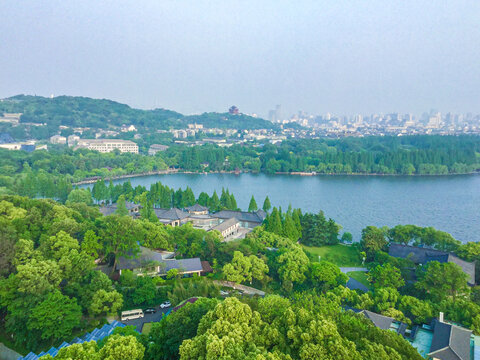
(78,111)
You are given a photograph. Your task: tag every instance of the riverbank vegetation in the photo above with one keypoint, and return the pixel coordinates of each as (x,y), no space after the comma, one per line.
(51,173)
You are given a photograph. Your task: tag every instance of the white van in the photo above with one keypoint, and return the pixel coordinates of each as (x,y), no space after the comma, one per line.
(132,314)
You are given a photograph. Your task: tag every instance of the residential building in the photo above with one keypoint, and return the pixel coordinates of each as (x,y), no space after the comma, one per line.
(149,262)
(129,128)
(197,209)
(132,208)
(72,140)
(228,228)
(246,219)
(154,148)
(58,139)
(450,342)
(424,255)
(173,216)
(27,146)
(108,145)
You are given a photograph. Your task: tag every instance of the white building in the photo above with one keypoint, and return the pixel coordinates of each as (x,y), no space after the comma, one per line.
(154,148)
(58,139)
(108,145)
(72,140)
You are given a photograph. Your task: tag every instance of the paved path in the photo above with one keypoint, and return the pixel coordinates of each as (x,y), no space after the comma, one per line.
(245,289)
(7,353)
(348,269)
(147,318)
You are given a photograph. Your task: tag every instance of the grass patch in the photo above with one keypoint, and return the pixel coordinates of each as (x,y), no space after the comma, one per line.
(147,327)
(340,255)
(360,276)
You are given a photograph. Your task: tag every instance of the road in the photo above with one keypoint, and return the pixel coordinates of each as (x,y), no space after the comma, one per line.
(348,269)
(146,319)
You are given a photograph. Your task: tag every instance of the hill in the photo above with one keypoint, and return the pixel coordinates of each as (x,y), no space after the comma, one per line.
(76,111)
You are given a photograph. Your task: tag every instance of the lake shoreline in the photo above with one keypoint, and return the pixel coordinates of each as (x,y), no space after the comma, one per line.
(176,171)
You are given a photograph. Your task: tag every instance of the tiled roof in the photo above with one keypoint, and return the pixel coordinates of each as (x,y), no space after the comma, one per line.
(184,265)
(244,216)
(424,255)
(147,256)
(450,342)
(171,214)
(226,224)
(380,321)
(196,207)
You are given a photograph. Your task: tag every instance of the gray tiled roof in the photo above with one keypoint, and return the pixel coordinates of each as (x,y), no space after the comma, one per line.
(416,254)
(450,342)
(147,256)
(196,207)
(244,216)
(143,258)
(226,224)
(424,255)
(184,265)
(380,321)
(171,214)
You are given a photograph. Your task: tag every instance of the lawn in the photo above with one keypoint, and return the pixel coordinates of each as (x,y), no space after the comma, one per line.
(360,276)
(340,255)
(146,328)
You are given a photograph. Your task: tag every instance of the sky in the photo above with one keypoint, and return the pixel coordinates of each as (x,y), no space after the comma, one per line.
(194,56)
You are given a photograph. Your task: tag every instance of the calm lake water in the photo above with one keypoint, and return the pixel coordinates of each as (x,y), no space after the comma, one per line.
(448,203)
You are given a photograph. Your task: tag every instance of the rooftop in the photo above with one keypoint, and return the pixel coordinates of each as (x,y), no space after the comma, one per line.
(196,207)
(244,216)
(450,342)
(171,214)
(226,224)
(423,255)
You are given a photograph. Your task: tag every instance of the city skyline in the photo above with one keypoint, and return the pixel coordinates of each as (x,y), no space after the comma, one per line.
(338,57)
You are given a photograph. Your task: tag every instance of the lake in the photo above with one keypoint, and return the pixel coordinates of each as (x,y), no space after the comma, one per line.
(448,203)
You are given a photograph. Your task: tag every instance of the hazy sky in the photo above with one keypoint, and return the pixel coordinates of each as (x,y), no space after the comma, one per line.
(335,56)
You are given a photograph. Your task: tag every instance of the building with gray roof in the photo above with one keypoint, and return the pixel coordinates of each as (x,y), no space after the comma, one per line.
(149,262)
(424,255)
(450,342)
(228,227)
(173,216)
(247,219)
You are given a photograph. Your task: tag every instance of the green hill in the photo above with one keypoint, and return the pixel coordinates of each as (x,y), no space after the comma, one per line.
(75,111)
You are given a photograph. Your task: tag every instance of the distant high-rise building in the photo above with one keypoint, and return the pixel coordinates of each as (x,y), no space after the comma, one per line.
(278,113)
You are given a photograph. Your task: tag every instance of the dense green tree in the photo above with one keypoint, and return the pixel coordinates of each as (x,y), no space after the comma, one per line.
(121,206)
(105,302)
(373,239)
(55,317)
(266,205)
(121,236)
(167,335)
(252,206)
(386,275)
(326,275)
(442,280)
(122,347)
(80,196)
(91,243)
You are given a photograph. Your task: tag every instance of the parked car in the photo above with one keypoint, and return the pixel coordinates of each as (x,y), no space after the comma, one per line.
(166,304)
(223,293)
(150,311)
